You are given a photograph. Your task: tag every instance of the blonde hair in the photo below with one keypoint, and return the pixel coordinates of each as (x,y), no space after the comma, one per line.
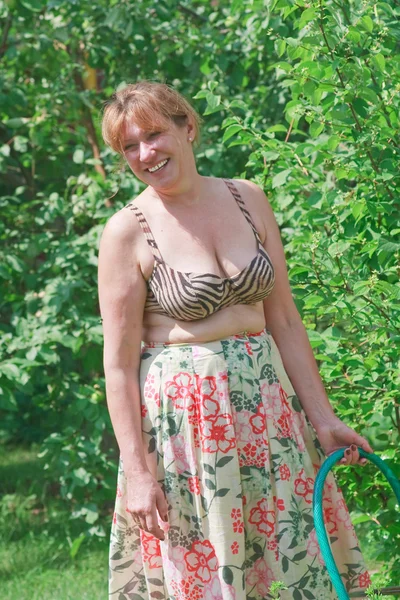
(151,105)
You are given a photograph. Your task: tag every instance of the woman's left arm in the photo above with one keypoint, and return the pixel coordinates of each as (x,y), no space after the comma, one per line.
(285,324)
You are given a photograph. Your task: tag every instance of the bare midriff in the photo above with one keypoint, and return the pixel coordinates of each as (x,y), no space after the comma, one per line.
(240,319)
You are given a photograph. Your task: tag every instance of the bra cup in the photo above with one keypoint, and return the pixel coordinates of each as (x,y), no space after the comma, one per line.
(193,296)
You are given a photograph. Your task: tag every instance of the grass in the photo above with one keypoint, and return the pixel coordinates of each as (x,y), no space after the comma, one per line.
(35,562)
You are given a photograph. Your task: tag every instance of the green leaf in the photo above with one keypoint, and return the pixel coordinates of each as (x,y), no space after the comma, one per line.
(152,445)
(367,23)
(213,101)
(209,469)
(156,582)
(224,461)
(285,564)
(258,548)
(300,555)
(361,107)
(379,61)
(76,544)
(316,129)
(388,245)
(227,575)
(210,484)
(281,178)
(231,131)
(201,94)
(361,519)
(10,370)
(78,156)
(333,142)
(222,492)
(280,47)
(353,35)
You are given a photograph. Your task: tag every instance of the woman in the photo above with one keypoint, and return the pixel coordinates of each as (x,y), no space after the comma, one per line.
(221,417)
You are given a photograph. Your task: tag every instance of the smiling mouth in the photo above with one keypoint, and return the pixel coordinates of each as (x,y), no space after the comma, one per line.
(158,167)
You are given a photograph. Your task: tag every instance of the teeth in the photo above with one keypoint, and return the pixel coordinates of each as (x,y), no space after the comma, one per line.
(161,164)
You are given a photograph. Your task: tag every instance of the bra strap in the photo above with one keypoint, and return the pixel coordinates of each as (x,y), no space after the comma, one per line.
(236,194)
(147,231)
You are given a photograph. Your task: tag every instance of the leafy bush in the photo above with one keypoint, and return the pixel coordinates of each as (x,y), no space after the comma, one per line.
(303,98)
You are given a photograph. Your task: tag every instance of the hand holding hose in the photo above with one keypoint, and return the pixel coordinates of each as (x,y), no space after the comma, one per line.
(335,435)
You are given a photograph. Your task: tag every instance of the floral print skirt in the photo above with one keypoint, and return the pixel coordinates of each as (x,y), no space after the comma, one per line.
(236,456)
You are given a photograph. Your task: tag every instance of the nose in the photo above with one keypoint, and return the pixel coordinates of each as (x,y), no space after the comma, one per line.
(146,152)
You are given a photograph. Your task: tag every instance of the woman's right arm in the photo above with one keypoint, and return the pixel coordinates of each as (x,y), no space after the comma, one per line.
(122,296)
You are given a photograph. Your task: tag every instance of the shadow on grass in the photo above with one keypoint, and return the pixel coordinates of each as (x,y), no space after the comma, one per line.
(36,530)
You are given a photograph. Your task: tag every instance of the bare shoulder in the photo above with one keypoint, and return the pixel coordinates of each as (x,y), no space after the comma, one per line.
(252,193)
(120,248)
(258,206)
(121,228)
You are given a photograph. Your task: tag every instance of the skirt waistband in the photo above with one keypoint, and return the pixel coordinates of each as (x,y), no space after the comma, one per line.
(243,335)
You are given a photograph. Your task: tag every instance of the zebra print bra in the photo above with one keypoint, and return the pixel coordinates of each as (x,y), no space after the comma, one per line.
(192,296)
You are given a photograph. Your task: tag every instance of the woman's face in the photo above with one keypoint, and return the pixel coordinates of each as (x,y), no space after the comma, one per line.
(159,158)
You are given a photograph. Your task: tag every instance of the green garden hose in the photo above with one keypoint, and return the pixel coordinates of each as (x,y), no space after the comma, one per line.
(319,516)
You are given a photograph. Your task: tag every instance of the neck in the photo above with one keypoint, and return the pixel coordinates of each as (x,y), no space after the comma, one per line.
(186,192)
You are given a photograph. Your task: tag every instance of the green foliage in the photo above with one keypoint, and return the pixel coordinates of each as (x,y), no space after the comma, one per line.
(302,98)
(275,588)
(373,594)
(36,535)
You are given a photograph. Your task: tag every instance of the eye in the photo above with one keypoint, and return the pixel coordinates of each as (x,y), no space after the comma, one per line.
(154,134)
(131,147)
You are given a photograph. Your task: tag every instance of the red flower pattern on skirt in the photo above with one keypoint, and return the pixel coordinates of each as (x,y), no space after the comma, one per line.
(236,516)
(364,580)
(202,560)
(250,455)
(260,577)
(284,426)
(280,503)
(206,389)
(284,472)
(263,518)
(303,486)
(151,552)
(181,391)
(150,390)
(235,548)
(313,548)
(184,590)
(329,514)
(217,434)
(194,485)
(258,421)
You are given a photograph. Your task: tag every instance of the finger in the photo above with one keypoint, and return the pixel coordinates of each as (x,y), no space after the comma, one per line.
(162,506)
(133,515)
(153,526)
(142,522)
(362,443)
(346,460)
(136,520)
(355,455)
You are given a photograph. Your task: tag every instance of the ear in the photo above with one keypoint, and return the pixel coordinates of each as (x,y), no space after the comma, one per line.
(190,129)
